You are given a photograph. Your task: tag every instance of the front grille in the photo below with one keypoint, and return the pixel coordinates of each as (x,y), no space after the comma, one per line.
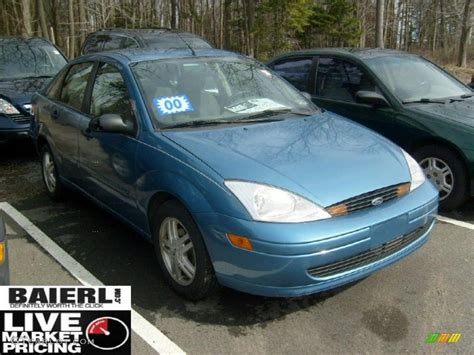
(367,200)
(369,256)
(20,118)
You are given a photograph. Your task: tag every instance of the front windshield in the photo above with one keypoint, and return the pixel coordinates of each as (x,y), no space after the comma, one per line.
(180,91)
(21,60)
(412,78)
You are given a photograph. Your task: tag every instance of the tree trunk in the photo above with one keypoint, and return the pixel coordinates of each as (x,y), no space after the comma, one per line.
(72,47)
(82,20)
(465,30)
(435,27)
(173,21)
(379,24)
(42,19)
(226,23)
(26,12)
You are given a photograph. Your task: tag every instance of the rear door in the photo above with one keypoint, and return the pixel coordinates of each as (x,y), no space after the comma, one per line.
(63,117)
(108,159)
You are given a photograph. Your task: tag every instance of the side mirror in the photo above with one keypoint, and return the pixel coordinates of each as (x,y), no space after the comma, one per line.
(111,123)
(371,98)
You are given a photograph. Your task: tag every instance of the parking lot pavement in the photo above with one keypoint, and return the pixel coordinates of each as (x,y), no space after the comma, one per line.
(32,265)
(393,310)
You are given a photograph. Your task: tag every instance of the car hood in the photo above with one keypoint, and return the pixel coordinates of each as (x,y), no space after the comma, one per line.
(20,91)
(325,157)
(459,111)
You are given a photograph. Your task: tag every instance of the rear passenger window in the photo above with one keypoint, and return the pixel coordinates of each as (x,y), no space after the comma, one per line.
(129,43)
(296,71)
(93,44)
(340,80)
(112,42)
(75,84)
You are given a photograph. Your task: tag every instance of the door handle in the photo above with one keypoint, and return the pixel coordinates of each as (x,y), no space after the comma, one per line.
(55,114)
(86,132)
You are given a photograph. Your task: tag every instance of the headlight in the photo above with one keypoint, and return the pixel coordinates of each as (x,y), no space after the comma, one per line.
(7,108)
(417,174)
(270,204)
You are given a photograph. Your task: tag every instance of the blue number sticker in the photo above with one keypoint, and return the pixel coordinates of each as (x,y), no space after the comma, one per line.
(169,105)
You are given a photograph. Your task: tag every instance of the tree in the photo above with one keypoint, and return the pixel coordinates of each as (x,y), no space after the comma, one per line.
(465,31)
(72,47)
(379,24)
(26,11)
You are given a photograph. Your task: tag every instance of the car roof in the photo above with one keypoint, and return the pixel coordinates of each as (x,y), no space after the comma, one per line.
(128,56)
(356,53)
(142,32)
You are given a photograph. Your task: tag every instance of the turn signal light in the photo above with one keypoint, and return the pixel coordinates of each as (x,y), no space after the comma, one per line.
(403,189)
(338,210)
(2,253)
(240,242)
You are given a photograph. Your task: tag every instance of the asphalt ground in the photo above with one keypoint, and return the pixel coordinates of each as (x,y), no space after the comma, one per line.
(394,310)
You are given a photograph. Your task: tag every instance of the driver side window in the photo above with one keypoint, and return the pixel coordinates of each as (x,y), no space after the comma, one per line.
(110,94)
(340,80)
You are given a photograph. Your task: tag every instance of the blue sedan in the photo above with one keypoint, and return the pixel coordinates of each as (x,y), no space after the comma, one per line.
(236,177)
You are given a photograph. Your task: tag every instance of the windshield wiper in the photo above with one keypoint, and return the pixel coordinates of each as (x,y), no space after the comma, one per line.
(198,123)
(37,77)
(425,101)
(265,115)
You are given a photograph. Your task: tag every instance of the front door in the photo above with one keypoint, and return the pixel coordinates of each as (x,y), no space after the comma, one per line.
(336,83)
(108,159)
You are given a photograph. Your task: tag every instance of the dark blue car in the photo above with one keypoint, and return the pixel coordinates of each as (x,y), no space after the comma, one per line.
(235,176)
(26,64)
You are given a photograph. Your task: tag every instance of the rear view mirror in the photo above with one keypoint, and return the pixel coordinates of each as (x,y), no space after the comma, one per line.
(111,123)
(371,98)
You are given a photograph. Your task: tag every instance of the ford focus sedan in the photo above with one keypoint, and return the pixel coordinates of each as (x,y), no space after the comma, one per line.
(235,176)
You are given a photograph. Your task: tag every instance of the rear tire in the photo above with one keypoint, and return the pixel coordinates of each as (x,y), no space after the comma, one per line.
(49,172)
(447,172)
(181,253)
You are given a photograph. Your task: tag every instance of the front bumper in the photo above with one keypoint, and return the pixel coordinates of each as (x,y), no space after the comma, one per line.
(11,130)
(285,253)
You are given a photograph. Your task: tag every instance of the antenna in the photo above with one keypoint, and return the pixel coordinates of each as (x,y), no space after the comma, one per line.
(187,44)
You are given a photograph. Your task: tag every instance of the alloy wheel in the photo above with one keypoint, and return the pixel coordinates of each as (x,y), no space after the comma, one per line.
(49,172)
(177,251)
(440,174)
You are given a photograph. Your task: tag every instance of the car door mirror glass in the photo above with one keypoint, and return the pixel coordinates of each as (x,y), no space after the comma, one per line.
(371,98)
(111,123)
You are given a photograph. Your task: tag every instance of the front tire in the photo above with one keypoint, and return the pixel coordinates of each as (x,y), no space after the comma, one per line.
(181,253)
(49,172)
(447,172)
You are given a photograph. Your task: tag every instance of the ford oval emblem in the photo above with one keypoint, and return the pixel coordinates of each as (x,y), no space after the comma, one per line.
(377,201)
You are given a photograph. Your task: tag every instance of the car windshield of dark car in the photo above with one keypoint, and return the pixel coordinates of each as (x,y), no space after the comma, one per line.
(19,60)
(173,40)
(180,91)
(412,78)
